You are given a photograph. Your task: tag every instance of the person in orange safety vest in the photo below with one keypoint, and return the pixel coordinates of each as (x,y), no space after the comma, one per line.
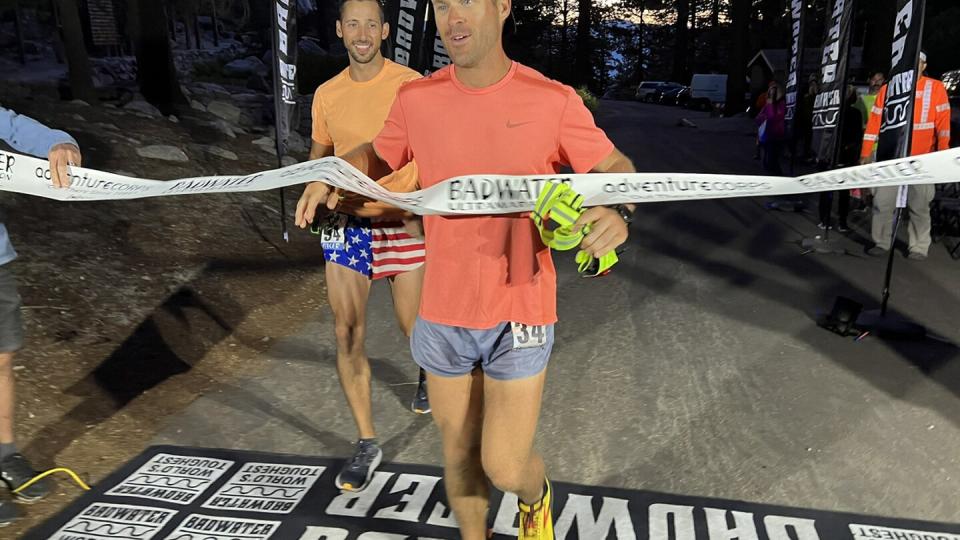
(931,132)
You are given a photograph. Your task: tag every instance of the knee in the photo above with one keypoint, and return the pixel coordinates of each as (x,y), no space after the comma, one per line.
(6,362)
(349,334)
(505,475)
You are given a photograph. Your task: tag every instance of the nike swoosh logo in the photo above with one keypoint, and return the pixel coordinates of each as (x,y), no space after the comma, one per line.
(511,125)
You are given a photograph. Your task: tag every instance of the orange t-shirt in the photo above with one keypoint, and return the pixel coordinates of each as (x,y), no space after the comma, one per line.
(485,270)
(347,114)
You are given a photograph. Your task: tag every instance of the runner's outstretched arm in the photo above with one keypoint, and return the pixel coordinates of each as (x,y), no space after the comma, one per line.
(608,230)
(364,158)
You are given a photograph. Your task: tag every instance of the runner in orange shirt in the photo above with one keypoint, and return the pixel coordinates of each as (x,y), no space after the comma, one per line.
(485,330)
(349,111)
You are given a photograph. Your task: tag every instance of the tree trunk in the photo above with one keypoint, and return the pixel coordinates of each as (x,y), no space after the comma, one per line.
(681,49)
(737,68)
(773,17)
(156,73)
(564,37)
(216,23)
(583,72)
(81,81)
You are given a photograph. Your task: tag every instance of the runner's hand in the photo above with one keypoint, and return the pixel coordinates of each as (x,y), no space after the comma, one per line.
(60,157)
(315,194)
(607,230)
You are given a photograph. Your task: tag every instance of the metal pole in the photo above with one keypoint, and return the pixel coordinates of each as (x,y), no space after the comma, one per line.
(276,117)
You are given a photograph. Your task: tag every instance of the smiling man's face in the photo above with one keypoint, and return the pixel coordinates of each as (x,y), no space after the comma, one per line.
(362,29)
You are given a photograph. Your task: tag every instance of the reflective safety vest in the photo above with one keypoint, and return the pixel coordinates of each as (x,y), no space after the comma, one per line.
(931,119)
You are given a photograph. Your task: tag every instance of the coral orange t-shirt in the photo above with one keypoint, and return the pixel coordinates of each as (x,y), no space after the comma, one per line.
(347,114)
(485,270)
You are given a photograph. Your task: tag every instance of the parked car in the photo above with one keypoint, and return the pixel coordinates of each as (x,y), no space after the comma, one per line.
(674,96)
(664,88)
(646,88)
(652,91)
(707,91)
(621,93)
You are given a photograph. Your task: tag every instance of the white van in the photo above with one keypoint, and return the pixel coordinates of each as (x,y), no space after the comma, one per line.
(707,91)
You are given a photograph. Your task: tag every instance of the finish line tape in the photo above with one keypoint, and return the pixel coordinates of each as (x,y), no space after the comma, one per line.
(483,194)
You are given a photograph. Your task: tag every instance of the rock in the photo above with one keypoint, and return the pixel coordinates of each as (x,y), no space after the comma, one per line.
(266,144)
(244,67)
(164,152)
(296,142)
(102,80)
(224,127)
(173,119)
(225,111)
(220,152)
(287,161)
(105,125)
(686,123)
(79,118)
(143,107)
(80,102)
(197,106)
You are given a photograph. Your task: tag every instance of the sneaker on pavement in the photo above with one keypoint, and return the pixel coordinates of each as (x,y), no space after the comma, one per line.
(536,520)
(358,471)
(823,226)
(843,228)
(876,251)
(917,256)
(420,403)
(16,471)
(8,513)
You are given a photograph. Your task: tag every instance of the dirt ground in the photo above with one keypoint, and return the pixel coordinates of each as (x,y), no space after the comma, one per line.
(134,308)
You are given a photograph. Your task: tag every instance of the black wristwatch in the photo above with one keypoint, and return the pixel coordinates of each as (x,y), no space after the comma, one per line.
(624,212)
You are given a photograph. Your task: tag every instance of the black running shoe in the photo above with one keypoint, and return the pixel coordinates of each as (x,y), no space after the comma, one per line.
(358,471)
(420,403)
(16,471)
(8,513)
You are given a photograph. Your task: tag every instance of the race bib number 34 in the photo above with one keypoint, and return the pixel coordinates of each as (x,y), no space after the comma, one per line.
(528,337)
(332,233)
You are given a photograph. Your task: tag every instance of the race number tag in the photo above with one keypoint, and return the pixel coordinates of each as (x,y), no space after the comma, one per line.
(333,232)
(528,337)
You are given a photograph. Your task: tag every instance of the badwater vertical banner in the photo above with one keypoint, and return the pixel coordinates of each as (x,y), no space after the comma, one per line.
(796,61)
(436,56)
(285,70)
(895,125)
(407,19)
(833,78)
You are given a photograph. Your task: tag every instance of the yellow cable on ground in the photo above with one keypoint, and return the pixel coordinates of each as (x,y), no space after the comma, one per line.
(41,476)
(560,204)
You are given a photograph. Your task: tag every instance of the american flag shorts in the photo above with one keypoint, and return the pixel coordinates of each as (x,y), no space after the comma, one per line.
(376,249)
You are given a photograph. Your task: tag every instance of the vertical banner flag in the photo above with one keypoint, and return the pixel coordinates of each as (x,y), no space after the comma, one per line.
(829,102)
(407,19)
(895,124)
(285,70)
(796,62)
(436,56)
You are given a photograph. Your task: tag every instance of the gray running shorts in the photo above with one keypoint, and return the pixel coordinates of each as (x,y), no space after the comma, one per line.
(11,322)
(451,351)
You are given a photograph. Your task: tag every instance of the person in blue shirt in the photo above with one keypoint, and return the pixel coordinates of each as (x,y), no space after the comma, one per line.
(26,135)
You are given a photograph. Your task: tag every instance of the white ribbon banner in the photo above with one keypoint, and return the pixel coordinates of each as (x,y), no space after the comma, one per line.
(483,194)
